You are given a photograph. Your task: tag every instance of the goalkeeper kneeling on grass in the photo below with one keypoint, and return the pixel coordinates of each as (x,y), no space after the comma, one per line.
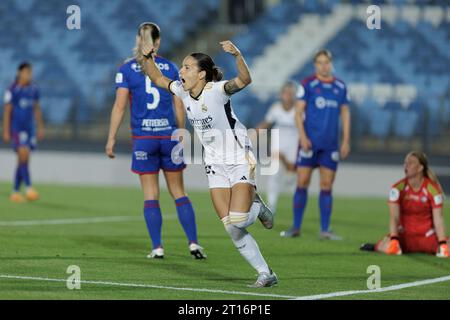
(416,213)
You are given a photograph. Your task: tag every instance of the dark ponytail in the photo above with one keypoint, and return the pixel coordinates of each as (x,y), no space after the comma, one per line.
(217,74)
(206,63)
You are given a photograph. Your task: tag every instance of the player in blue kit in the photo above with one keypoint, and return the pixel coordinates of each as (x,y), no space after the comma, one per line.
(155,114)
(322,102)
(21,111)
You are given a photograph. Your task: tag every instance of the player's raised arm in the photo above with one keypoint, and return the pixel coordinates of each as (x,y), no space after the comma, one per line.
(243,78)
(151,69)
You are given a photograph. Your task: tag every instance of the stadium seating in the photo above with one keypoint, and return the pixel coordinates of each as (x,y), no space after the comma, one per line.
(380,125)
(399,70)
(76,67)
(400,65)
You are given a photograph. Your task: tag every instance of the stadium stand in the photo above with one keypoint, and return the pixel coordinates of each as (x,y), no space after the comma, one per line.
(75,68)
(393,84)
(387,78)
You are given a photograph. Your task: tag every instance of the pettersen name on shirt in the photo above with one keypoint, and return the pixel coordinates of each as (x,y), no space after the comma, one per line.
(155,124)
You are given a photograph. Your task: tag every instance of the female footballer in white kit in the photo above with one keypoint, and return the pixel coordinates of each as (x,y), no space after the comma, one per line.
(281,116)
(229,162)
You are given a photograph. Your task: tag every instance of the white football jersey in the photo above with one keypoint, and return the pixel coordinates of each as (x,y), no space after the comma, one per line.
(222,135)
(284,120)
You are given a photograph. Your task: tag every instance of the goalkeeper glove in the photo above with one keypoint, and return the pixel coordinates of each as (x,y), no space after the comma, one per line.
(394,246)
(442,251)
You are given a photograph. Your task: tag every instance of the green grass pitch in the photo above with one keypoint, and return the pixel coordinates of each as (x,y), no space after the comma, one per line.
(116,251)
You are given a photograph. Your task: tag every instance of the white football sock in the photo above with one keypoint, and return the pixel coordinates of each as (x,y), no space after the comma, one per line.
(273,189)
(247,246)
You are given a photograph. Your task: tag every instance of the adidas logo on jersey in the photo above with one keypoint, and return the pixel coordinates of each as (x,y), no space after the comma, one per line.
(243,178)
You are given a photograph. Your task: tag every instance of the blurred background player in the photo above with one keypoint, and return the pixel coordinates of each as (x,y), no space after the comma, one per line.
(322,101)
(416,212)
(153,121)
(21,111)
(281,116)
(230,163)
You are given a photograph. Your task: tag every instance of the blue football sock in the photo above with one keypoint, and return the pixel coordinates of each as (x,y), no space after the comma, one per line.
(300,200)
(153,219)
(18,179)
(25,174)
(186,216)
(325,204)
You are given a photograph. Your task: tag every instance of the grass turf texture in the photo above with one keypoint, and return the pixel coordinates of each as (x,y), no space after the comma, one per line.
(115,251)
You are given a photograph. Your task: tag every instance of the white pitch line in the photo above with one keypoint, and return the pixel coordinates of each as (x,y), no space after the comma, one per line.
(385,289)
(26,223)
(151,286)
(312,297)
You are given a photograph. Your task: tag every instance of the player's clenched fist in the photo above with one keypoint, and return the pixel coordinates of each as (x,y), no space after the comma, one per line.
(305,143)
(109,149)
(147,48)
(229,47)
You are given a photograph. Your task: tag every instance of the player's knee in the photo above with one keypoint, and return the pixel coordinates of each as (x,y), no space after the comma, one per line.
(23,156)
(177,192)
(233,230)
(239,219)
(326,185)
(23,160)
(303,182)
(151,195)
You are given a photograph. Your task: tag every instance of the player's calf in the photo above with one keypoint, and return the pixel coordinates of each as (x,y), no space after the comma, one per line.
(265,215)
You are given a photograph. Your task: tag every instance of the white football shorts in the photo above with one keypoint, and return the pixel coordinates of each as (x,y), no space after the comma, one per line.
(227,175)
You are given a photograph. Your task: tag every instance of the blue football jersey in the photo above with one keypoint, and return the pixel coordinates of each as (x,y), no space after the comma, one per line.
(323,105)
(22,99)
(152,110)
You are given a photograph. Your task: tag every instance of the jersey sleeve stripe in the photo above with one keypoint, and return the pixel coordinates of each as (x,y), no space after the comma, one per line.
(170,90)
(399,185)
(432,189)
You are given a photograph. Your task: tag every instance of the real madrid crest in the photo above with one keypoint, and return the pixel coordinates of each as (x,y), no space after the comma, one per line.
(204,108)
